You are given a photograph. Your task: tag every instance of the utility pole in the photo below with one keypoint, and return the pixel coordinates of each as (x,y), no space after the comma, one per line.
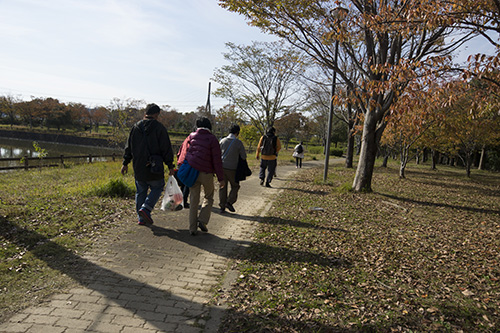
(208,108)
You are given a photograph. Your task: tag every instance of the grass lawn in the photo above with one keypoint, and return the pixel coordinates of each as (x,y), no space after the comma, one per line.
(48,216)
(417,254)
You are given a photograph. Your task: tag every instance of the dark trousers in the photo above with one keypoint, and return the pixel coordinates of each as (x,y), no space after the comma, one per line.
(298,162)
(270,165)
(230,178)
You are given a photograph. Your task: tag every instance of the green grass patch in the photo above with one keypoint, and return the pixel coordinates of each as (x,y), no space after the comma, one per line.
(417,254)
(47,217)
(116,187)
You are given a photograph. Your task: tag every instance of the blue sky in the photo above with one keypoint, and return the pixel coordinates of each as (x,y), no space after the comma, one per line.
(91,51)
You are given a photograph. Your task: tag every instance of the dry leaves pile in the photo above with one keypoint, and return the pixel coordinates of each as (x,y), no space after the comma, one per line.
(421,254)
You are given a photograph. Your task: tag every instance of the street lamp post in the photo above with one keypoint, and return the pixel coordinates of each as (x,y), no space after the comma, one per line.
(330,116)
(339,14)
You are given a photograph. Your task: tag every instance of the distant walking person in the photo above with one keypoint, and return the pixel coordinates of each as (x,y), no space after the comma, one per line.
(148,147)
(268,148)
(232,150)
(202,152)
(298,153)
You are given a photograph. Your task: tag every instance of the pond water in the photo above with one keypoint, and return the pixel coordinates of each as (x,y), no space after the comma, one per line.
(15,148)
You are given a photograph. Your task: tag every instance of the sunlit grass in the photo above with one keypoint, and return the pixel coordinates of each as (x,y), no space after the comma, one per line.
(47,215)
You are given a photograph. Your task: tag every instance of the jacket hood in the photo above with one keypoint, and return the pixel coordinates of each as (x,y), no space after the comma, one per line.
(148,125)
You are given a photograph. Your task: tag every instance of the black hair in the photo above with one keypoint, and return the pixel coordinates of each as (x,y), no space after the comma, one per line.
(203,122)
(152,109)
(271,130)
(235,129)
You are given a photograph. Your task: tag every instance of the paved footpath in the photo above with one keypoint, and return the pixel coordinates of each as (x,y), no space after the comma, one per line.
(159,278)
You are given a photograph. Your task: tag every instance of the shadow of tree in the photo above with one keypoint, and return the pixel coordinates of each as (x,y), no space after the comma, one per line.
(242,321)
(138,298)
(441,204)
(258,252)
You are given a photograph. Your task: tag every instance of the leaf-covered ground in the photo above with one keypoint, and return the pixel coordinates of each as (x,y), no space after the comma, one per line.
(417,254)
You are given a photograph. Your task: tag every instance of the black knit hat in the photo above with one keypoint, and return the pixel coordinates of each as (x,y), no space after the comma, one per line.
(152,109)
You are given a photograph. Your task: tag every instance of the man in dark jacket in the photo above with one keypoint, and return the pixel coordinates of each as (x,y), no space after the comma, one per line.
(148,137)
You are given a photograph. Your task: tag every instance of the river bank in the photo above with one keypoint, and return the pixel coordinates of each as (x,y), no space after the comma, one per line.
(57,138)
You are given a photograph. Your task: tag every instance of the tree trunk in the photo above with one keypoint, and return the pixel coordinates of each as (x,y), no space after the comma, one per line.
(403,162)
(364,172)
(350,149)
(468,163)
(434,159)
(481,160)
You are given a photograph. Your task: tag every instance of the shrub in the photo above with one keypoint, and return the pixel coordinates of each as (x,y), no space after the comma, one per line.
(319,150)
(336,152)
(315,150)
(114,188)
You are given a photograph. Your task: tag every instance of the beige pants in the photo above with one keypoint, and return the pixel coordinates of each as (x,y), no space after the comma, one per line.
(207,181)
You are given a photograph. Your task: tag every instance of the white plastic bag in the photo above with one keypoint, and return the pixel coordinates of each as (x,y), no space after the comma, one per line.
(172,199)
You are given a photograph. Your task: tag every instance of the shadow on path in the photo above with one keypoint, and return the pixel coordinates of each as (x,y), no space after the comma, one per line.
(138,298)
(231,248)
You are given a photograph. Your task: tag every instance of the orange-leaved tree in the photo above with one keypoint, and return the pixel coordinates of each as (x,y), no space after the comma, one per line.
(389,43)
(411,116)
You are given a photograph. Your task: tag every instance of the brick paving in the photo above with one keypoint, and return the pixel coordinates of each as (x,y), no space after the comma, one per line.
(158,278)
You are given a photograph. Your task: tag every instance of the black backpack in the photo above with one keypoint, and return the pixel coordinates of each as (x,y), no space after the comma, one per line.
(269,145)
(300,149)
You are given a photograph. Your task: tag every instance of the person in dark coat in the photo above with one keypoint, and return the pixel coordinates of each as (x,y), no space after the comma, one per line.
(148,137)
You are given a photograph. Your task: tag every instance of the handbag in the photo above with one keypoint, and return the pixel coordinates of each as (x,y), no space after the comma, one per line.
(172,199)
(187,174)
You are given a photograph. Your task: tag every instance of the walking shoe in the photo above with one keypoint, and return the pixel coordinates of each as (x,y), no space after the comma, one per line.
(230,207)
(202,226)
(146,215)
(186,205)
(261,182)
(268,185)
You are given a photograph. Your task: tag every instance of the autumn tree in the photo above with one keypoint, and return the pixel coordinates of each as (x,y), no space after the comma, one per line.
(8,108)
(260,80)
(225,117)
(249,135)
(466,127)
(289,126)
(125,112)
(411,116)
(387,42)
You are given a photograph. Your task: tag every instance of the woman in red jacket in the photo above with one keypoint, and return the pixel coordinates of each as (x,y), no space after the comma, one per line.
(202,152)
